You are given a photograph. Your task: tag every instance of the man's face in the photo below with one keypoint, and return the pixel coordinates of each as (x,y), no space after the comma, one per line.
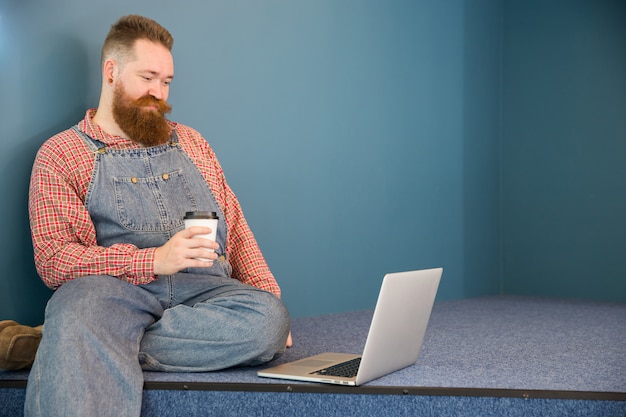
(140,94)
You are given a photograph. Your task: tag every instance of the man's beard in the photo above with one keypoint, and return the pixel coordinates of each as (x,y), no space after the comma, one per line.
(146,126)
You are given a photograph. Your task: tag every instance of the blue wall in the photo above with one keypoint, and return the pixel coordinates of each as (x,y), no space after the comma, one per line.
(485,136)
(360,136)
(564,148)
(341,125)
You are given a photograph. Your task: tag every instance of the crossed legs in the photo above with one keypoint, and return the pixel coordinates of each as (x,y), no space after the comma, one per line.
(100,332)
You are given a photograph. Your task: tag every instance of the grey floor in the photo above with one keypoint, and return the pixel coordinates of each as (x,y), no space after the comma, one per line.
(500,343)
(509,343)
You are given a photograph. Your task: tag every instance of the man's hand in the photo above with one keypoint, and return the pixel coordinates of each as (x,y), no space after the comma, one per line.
(183,250)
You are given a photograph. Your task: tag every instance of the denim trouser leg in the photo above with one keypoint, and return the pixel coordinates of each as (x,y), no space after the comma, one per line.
(218,323)
(88,363)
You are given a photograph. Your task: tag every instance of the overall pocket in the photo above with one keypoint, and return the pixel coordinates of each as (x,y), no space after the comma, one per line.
(153,204)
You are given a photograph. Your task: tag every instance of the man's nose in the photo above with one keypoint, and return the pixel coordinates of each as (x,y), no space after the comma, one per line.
(158,92)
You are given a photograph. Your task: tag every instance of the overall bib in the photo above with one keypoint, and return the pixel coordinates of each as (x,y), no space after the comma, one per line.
(140,196)
(107,331)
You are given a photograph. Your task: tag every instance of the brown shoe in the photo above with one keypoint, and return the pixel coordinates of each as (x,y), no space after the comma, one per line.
(18,345)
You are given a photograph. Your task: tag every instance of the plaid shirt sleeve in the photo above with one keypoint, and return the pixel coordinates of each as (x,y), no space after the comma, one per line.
(244,254)
(64,237)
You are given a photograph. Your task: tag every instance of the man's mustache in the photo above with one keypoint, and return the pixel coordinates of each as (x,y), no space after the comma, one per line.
(149,100)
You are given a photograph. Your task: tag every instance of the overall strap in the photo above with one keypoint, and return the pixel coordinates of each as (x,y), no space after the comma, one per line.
(94,144)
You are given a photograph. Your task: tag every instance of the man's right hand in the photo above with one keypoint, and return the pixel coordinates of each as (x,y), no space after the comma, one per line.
(183,250)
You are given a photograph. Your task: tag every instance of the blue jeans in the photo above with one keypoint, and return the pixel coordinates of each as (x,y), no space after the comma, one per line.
(101,332)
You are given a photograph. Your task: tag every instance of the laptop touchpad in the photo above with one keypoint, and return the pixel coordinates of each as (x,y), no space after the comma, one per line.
(312,363)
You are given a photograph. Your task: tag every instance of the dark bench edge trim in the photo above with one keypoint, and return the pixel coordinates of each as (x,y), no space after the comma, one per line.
(370,390)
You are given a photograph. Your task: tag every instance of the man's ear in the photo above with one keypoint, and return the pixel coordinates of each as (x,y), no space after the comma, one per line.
(109,71)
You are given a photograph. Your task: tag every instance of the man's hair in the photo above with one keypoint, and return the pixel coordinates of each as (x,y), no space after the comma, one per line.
(121,39)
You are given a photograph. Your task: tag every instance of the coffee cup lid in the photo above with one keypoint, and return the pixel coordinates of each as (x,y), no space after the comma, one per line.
(201,215)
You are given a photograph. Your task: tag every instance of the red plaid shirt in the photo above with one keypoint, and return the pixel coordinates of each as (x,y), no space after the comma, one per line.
(64,237)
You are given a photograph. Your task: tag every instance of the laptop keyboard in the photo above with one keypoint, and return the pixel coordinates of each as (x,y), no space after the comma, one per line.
(346,369)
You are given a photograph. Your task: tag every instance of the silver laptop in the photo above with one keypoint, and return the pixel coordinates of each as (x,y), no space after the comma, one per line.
(394,340)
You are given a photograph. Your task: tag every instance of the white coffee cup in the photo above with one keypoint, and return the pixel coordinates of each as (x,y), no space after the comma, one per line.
(204,219)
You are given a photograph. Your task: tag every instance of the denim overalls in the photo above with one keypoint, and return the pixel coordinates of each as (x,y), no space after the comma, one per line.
(101,332)
(140,196)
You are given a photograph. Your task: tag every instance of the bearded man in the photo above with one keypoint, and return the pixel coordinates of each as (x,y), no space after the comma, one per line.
(134,290)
